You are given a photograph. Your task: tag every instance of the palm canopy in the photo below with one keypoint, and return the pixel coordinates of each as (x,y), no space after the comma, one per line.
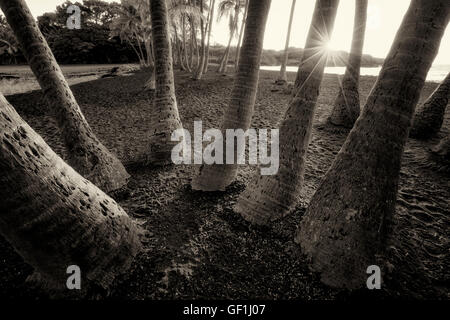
(133,21)
(232,10)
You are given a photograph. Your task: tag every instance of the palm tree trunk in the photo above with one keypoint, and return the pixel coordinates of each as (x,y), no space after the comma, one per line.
(430,116)
(347,106)
(151,83)
(241,32)
(201,64)
(443,149)
(55,218)
(165,118)
(179,50)
(225,56)
(224,65)
(222,60)
(345,228)
(148,50)
(191,44)
(197,47)
(240,110)
(283,76)
(211,19)
(186,60)
(142,55)
(86,153)
(268,198)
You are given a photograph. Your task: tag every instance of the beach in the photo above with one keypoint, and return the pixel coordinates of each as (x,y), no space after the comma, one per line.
(196,246)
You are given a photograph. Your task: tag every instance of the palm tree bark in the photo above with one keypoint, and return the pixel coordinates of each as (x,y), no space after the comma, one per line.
(55,218)
(85,152)
(344,230)
(240,110)
(430,116)
(268,198)
(241,33)
(347,106)
(165,117)
(211,19)
(283,76)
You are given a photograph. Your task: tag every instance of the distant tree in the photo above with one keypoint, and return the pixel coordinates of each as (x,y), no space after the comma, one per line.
(241,33)
(201,63)
(49,23)
(347,106)
(186,16)
(231,9)
(284,62)
(101,12)
(93,43)
(133,25)
(8,44)
(210,25)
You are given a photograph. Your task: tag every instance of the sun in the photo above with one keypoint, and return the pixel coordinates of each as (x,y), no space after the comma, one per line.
(328,46)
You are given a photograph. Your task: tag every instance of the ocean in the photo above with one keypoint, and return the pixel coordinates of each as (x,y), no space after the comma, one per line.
(437,73)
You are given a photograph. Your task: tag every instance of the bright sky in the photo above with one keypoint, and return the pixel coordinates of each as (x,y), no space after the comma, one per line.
(384,18)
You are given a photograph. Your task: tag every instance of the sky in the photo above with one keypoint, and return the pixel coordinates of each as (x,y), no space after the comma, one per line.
(384,18)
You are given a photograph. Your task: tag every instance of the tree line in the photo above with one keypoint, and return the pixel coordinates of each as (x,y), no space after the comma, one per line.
(116,32)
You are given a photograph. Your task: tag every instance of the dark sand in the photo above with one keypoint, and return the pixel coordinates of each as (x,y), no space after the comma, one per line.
(197,247)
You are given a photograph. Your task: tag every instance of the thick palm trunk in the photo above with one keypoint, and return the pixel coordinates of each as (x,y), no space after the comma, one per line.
(165,117)
(211,18)
(430,116)
(55,218)
(85,152)
(240,110)
(347,106)
(283,75)
(241,33)
(268,198)
(344,229)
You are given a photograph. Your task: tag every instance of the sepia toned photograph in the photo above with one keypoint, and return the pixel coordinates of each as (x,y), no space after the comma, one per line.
(224,155)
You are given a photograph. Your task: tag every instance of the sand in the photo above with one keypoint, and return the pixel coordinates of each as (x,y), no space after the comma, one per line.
(197,247)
